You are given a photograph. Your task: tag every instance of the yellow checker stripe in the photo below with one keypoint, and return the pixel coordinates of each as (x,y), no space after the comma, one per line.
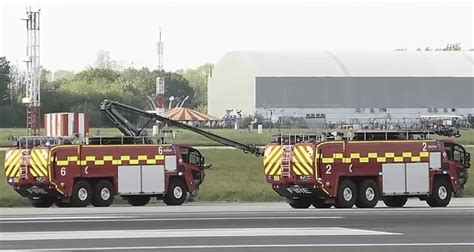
(110,160)
(374,156)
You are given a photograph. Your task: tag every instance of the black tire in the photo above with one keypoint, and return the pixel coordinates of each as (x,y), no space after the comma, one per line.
(139,200)
(441,194)
(346,195)
(367,194)
(460,193)
(177,193)
(103,194)
(42,202)
(319,203)
(395,201)
(60,203)
(81,194)
(299,203)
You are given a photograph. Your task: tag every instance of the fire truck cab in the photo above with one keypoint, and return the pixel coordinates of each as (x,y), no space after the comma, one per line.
(365,168)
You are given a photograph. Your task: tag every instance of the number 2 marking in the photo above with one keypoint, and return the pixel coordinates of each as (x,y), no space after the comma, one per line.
(424,146)
(328,169)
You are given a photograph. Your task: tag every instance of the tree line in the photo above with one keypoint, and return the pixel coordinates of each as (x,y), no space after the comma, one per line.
(65,91)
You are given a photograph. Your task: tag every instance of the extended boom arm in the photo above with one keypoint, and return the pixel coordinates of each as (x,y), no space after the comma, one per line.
(110,108)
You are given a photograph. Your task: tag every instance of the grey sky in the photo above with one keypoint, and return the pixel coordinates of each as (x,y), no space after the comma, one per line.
(196,32)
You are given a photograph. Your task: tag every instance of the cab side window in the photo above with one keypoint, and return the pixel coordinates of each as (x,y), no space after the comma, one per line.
(194,158)
(458,154)
(185,155)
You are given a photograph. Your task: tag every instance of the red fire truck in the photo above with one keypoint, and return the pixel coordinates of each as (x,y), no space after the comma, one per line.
(78,172)
(374,165)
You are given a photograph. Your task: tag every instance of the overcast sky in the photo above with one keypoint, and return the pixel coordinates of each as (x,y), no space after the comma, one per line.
(196,32)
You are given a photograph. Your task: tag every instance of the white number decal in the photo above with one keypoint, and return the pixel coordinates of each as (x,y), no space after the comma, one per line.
(350,168)
(160,150)
(328,169)
(86,170)
(424,146)
(63,171)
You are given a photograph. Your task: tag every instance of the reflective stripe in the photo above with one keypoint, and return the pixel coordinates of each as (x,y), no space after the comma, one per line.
(272,160)
(405,156)
(110,160)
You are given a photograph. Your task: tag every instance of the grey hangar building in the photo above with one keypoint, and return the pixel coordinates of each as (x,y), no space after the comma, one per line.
(341,86)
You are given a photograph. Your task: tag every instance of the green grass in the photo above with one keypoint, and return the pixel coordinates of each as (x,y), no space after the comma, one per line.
(236,177)
(187,137)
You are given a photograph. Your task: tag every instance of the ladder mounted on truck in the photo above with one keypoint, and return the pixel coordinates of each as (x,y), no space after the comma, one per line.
(112,110)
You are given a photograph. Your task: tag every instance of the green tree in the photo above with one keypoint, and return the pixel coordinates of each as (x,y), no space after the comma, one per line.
(4,80)
(197,79)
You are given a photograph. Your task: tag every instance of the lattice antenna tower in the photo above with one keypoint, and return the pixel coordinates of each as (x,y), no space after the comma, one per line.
(33,72)
(160,81)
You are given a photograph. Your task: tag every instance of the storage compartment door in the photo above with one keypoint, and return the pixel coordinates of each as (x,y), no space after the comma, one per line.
(393,179)
(129,179)
(418,178)
(153,179)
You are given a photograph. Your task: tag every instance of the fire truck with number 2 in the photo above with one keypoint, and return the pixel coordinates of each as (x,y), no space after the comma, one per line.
(390,166)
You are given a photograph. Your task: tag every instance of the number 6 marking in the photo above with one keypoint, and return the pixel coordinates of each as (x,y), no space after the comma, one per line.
(63,171)
(328,169)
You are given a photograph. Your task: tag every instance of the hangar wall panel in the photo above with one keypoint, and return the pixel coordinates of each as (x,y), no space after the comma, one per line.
(365,92)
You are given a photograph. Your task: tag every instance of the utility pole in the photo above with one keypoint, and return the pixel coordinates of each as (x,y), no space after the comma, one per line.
(33,72)
(160,81)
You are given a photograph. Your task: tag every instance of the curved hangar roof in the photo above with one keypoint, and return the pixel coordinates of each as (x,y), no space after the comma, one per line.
(393,63)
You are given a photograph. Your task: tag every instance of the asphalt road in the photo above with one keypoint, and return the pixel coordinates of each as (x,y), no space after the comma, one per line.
(239,227)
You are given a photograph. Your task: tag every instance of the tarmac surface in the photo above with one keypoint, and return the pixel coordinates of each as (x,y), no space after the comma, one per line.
(240,227)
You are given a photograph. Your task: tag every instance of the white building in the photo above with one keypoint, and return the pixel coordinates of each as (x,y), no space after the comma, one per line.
(342,86)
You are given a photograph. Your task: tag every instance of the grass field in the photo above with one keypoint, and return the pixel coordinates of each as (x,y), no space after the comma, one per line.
(235,177)
(184,136)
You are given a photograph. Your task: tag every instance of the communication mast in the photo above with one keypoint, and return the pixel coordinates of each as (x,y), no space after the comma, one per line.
(160,81)
(33,72)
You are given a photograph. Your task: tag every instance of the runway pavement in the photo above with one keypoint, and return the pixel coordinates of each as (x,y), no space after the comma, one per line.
(240,227)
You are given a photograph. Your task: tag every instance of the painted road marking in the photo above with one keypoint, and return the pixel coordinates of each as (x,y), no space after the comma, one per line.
(176,233)
(256,246)
(134,219)
(59,218)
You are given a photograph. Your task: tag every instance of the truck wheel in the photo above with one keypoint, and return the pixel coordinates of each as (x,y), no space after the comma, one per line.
(42,202)
(395,201)
(299,203)
(368,194)
(319,203)
(441,194)
(347,194)
(138,200)
(81,194)
(103,194)
(60,203)
(176,194)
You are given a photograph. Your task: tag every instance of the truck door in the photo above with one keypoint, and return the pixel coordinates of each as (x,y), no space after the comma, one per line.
(458,162)
(65,167)
(193,164)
